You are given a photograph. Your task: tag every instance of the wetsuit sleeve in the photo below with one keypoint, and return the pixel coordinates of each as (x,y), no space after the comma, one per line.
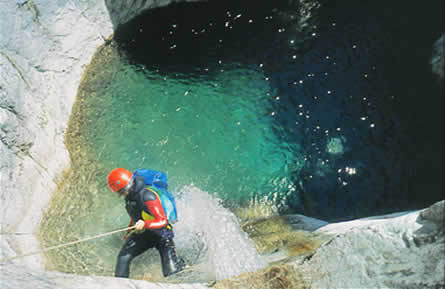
(154,207)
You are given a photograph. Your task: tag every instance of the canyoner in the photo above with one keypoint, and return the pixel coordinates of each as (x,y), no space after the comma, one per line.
(152,211)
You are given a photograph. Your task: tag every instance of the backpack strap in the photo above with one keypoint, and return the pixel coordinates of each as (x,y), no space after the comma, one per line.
(157,195)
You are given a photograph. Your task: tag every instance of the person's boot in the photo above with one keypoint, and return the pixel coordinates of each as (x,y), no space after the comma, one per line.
(171,263)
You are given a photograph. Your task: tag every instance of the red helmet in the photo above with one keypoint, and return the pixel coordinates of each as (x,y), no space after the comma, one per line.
(118,179)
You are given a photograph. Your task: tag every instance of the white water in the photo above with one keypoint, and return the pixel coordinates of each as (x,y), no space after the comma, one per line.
(208,235)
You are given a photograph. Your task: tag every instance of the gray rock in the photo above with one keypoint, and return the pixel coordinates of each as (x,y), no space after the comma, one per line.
(15,277)
(44,49)
(397,251)
(400,250)
(435,213)
(437,59)
(122,11)
(300,222)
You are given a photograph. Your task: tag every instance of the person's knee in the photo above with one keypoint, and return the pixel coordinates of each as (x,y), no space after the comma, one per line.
(124,258)
(123,265)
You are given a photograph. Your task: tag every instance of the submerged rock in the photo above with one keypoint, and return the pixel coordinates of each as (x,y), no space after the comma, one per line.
(280,237)
(437,62)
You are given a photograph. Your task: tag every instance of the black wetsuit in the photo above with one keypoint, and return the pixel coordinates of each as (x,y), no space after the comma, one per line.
(143,203)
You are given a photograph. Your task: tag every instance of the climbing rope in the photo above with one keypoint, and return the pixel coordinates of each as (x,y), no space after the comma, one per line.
(3,261)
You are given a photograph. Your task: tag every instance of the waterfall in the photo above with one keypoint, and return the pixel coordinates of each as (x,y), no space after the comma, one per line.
(209,235)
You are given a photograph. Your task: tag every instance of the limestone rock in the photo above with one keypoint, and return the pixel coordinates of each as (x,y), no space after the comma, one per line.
(122,11)
(396,251)
(44,49)
(14,277)
(399,250)
(435,213)
(437,59)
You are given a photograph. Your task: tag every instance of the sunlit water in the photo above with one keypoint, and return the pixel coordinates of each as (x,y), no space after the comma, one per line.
(215,132)
(279,105)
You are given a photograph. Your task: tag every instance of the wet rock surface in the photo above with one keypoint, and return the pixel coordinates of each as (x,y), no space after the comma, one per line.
(400,250)
(13,277)
(278,238)
(394,251)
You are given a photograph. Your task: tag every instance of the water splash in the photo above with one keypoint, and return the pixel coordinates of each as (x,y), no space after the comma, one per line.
(210,235)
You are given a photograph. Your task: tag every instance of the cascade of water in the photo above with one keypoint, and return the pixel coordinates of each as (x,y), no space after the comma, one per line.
(209,234)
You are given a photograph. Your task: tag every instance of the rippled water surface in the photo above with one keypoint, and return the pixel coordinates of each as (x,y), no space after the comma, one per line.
(289,101)
(215,132)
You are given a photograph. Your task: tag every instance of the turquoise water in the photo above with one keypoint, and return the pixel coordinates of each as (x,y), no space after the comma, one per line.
(194,99)
(292,102)
(216,132)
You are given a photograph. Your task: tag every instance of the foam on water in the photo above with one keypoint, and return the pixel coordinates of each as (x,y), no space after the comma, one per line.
(209,234)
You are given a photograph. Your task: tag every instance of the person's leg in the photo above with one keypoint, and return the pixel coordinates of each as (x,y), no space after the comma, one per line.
(135,245)
(170,262)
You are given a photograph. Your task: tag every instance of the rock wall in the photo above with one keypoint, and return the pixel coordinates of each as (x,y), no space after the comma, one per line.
(122,11)
(45,45)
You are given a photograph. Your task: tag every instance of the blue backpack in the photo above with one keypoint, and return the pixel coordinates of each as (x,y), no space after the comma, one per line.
(158,182)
